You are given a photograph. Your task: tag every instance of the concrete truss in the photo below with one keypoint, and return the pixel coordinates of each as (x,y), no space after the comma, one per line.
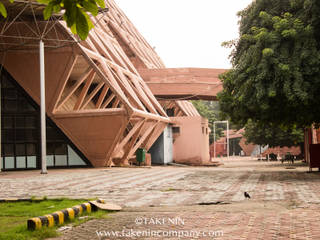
(94,92)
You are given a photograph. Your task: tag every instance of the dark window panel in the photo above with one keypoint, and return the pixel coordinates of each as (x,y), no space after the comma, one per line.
(31,135)
(21,129)
(10,105)
(20,135)
(8,149)
(20,149)
(176,129)
(50,148)
(6,83)
(8,135)
(25,106)
(19,122)
(31,122)
(31,149)
(10,94)
(7,123)
(53,135)
(61,149)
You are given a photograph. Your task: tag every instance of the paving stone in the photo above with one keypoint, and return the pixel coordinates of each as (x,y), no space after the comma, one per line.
(294,193)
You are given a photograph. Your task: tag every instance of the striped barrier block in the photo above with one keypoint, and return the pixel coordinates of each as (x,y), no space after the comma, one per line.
(60,217)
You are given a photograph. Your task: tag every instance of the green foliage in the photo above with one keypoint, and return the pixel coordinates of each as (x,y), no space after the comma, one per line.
(275,76)
(274,136)
(75,15)
(3,10)
(211,111)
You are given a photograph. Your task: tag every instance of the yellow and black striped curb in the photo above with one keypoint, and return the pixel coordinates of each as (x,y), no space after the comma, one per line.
(60,217)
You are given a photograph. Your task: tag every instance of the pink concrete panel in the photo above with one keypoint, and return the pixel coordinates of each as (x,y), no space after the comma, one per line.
(194,83)
(92,134)
(24,67)
(191,146)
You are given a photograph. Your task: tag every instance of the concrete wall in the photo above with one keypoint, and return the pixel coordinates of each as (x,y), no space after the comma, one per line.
(162,150)
(191,145)
(168,145)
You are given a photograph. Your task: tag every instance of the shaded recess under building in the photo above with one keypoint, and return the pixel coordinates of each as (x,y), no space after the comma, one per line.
(21,133)
(96,91)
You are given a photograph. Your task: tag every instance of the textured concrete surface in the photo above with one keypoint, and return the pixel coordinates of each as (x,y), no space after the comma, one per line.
(284,200)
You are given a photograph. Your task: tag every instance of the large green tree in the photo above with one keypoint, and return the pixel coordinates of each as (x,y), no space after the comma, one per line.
(274,136)
(75,14)
(275,75)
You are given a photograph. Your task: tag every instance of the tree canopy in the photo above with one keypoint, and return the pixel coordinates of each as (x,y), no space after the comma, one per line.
(275,75)
(274,136)
(75,15)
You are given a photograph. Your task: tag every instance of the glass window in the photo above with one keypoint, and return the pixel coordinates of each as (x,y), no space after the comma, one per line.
(20,135)
(175,129)
(74,159)
(50,160)
(6,84)
(9,162)
(10,105)
(21,132)
(21,162)
(10,94)
(8,135)
(20,150)
(61,160)
(32,161)
(8,150)
(61,149)
(31,149)
(50,148)
(7,122)
(31,122)
(54,135)
(25,106)
(19,122)
(31,135)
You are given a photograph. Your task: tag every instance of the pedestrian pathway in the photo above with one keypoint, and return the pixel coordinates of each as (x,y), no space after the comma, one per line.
(136,187)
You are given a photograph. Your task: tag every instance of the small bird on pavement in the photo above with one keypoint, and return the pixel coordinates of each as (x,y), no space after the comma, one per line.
(246,195)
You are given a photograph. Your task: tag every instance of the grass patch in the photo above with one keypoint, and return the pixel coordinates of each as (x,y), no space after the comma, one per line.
(169,190)
(14,216)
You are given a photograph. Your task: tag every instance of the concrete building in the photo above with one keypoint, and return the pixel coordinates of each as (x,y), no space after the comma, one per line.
(94,94)
(99,106)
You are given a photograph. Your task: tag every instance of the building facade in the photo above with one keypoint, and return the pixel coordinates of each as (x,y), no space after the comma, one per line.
(99,108)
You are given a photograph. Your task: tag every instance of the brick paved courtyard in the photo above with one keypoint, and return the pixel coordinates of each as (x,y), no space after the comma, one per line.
(284,200)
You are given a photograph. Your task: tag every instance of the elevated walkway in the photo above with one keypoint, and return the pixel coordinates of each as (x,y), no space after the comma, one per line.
(183,83)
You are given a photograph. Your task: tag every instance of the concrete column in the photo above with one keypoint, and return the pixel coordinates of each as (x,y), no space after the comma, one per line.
(43,111)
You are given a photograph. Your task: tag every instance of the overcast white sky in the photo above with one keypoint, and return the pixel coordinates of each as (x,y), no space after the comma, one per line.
(187,33)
